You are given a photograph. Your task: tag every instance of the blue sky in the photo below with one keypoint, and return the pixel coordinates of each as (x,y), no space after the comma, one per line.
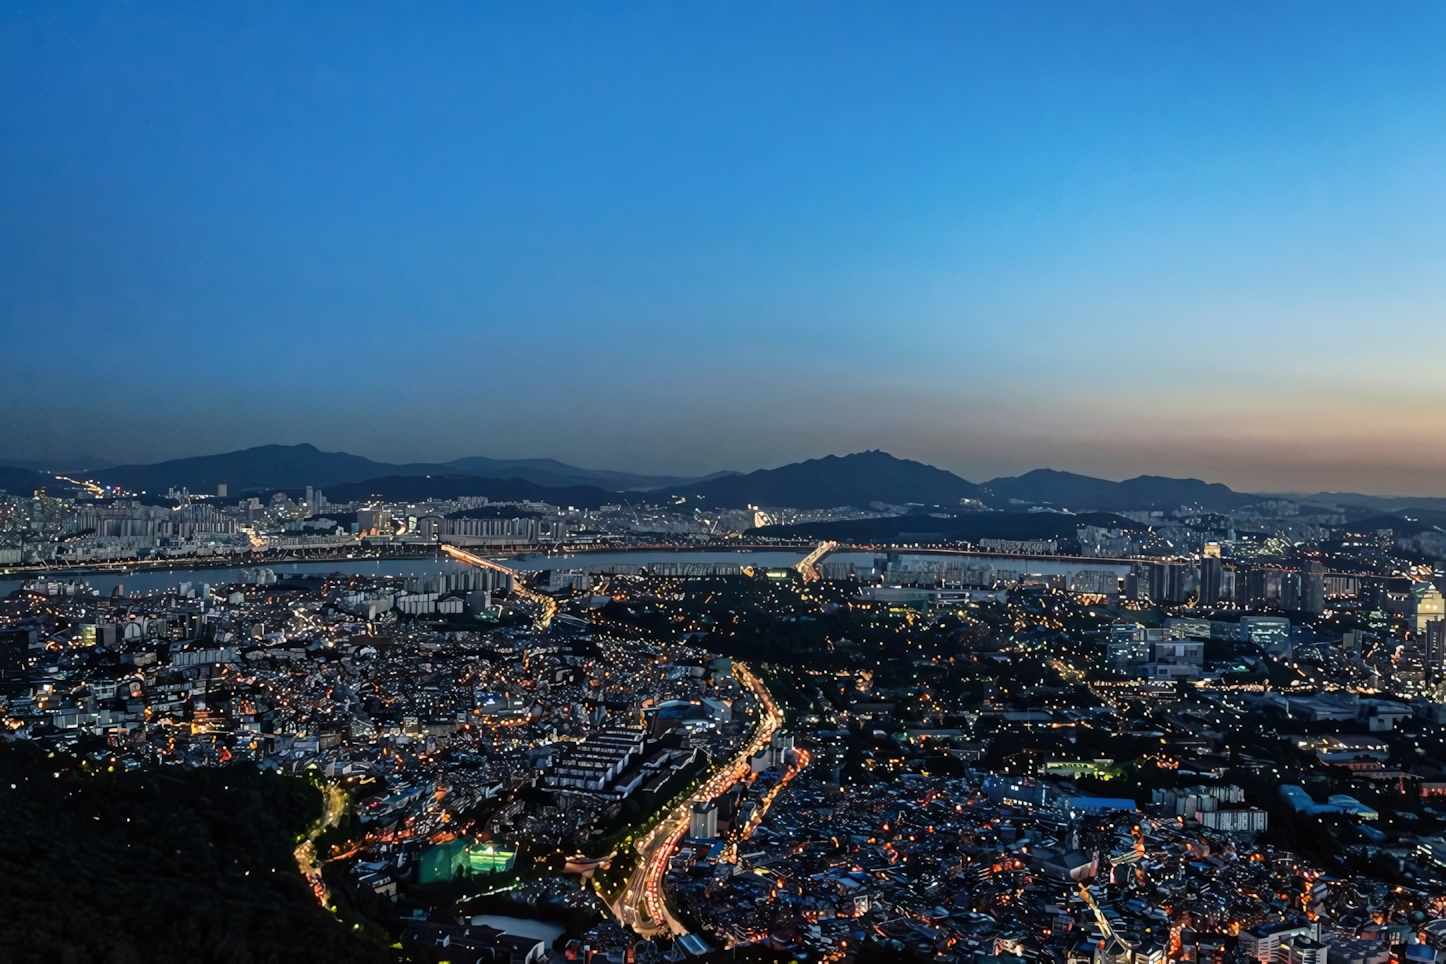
(1186,239)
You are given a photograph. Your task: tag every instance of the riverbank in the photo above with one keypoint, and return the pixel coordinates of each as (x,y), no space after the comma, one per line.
(363,554)
(200,563)
(167,574)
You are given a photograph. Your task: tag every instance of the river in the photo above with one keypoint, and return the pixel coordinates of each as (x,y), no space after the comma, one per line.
(158,580)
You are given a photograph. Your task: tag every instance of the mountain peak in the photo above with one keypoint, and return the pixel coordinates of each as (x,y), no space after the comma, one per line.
(857,479)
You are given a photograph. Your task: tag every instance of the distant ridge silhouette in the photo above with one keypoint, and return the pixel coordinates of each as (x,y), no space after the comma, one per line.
(858,480)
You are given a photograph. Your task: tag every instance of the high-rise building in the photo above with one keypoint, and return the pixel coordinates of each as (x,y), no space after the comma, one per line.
(1168,582)
(1271,589)
(1312,595)
(1292,596)
(703,825)
(1427,606)
(1212,573)
(1128,651)
(1435,650)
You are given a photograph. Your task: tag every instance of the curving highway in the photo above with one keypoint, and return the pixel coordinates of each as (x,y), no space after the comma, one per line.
(547,603)
(641,905)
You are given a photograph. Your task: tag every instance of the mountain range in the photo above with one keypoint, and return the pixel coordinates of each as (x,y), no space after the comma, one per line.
(1382,503)
(1068,490)
(859,480)
(293,466)
(969,526)
(856,480)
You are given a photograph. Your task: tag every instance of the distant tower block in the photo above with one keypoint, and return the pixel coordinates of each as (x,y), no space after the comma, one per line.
(221,490)
(704,823)
(1427,606)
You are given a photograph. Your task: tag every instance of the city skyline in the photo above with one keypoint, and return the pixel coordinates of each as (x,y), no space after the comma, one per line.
(730,482)
(1108,239)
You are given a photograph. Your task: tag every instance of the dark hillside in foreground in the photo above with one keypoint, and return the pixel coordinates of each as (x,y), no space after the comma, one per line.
(159,865)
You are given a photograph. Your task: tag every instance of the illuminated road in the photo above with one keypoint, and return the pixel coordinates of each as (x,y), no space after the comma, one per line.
(546,604)
(641,904)
(90,487)
(806,565)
